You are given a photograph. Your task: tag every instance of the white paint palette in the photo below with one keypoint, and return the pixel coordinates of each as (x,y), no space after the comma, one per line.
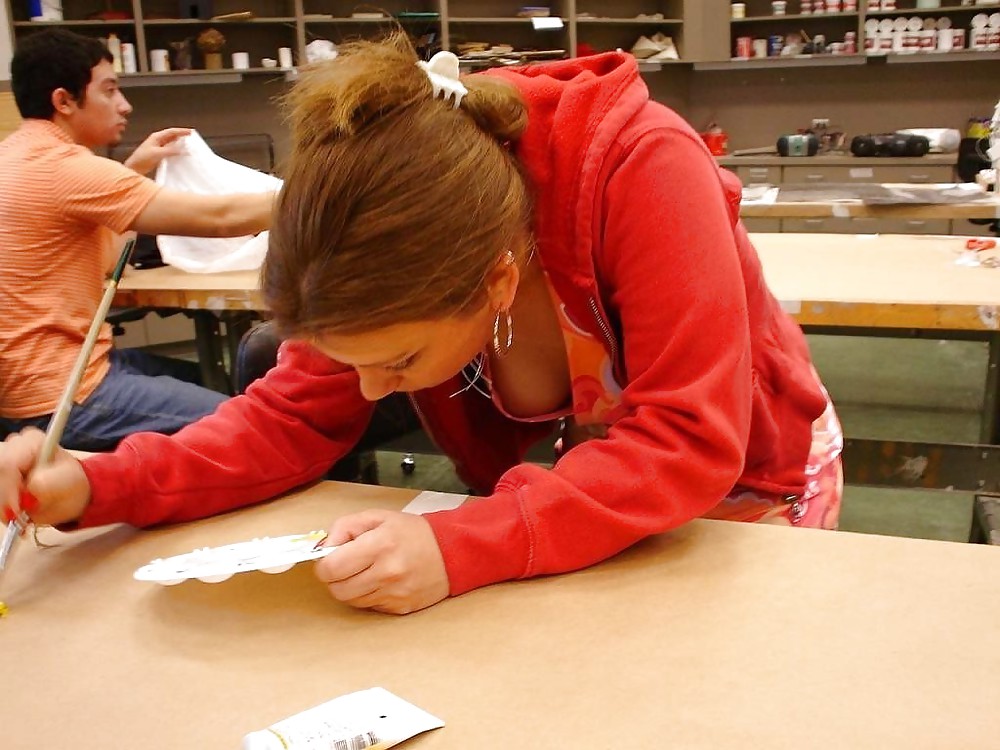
(215,564)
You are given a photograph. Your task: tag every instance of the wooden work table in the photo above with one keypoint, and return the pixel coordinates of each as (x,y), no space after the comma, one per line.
(858,210)
(717,635)
(838,160)
(873,285)
(880,281)
(824,279)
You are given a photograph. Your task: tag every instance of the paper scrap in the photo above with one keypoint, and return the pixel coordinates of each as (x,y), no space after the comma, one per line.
(428,502)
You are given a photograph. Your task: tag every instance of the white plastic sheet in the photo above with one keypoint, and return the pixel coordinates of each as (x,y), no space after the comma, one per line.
(200,170)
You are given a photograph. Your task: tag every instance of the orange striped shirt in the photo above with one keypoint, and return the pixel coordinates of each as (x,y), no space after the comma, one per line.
(59,206)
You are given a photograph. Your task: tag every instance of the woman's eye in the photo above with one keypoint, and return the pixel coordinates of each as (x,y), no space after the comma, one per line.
(402,364)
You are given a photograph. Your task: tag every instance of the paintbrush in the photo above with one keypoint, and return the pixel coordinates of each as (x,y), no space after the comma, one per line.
(58,422)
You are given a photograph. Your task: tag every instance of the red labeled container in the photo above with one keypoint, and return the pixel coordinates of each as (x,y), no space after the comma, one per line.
(717,140)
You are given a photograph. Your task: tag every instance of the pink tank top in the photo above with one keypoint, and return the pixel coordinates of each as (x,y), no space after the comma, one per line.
(596,394)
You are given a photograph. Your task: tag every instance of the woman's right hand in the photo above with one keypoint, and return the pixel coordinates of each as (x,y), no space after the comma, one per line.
(52,494)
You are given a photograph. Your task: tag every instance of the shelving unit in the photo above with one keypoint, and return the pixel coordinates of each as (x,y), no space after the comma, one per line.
(791,17)
(155,24)
(910,9)
(760,23)
(587,25)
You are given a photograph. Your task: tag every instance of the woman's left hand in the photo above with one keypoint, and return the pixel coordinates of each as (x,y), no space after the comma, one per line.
(386,561)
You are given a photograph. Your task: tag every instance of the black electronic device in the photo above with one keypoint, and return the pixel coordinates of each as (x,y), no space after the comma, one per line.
(890,144)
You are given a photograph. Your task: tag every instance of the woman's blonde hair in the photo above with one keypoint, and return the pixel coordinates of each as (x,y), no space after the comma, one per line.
(396,206)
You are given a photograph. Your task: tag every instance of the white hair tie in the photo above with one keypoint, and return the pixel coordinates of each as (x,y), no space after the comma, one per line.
(442,70)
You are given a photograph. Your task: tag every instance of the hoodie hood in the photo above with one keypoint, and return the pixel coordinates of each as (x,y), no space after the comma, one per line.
(576,110)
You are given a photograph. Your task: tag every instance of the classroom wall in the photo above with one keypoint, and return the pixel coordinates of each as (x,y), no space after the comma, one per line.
(219,109)
(6,47)
(754,106)
(10,119)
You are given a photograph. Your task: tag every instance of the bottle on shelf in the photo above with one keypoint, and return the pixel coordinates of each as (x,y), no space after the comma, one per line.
(114,46)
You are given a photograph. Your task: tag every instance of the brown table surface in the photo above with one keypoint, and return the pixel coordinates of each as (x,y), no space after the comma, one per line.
(718,635)
(988,208)
(908,281)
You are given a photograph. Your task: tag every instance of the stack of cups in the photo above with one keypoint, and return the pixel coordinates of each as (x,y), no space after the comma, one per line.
(159,61)
(128,58)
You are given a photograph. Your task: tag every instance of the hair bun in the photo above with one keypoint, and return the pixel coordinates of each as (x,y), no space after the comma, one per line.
(338,98)
(496,106)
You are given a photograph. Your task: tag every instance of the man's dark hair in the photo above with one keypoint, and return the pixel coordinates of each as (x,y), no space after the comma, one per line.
(49,60)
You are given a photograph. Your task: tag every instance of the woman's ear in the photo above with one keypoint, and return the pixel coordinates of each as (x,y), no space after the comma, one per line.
(502,283)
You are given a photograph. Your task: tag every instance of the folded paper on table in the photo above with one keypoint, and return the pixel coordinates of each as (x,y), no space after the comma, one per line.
(200,170)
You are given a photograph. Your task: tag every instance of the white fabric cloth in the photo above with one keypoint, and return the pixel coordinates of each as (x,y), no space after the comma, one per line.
(200,170)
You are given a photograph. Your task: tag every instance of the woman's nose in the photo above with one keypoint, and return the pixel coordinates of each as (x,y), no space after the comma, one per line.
(377,383)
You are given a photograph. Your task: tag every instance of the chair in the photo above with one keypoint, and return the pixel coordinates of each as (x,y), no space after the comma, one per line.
(393,419)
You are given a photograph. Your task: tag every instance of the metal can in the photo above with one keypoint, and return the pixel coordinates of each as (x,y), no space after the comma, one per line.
(775,43)
(744,46)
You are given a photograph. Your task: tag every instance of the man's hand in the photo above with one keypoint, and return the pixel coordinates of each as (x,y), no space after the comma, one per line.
(157,147)
(52,494)
(386,561)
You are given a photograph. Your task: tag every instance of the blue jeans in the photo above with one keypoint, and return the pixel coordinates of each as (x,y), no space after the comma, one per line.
(141,393)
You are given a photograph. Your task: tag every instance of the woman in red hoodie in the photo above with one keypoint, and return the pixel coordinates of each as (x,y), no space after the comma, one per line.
(512,249)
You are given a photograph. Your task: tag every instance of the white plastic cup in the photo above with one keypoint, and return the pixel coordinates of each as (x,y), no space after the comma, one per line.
(241,61)
(159,61)
(285,57)
(128,58)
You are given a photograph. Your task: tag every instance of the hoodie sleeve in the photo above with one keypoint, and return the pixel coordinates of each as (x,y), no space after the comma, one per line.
(288,429)
(671,274)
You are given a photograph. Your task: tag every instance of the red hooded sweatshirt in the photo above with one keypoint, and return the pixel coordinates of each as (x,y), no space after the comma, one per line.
(639,232)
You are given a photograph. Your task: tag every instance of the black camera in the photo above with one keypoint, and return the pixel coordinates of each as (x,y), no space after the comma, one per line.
(890,144)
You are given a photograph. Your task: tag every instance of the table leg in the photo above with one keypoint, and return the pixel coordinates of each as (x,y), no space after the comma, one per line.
(237,324)
(989,433)
(210,358)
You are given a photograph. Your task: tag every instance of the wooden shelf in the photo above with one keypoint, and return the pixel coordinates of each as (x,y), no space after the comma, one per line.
(798,61)
(501,20)
(931,11)
(319,18)
(795,17)
(50,24)
(181,78)
(627,21)
(941,57)
(655,67)
(209,21)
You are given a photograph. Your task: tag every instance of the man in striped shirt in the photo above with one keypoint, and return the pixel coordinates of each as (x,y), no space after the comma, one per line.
(62,208)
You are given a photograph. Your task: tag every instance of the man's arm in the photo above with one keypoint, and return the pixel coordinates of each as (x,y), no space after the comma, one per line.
(192,215)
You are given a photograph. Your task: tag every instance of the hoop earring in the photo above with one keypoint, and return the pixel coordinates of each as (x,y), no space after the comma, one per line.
(502,347)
